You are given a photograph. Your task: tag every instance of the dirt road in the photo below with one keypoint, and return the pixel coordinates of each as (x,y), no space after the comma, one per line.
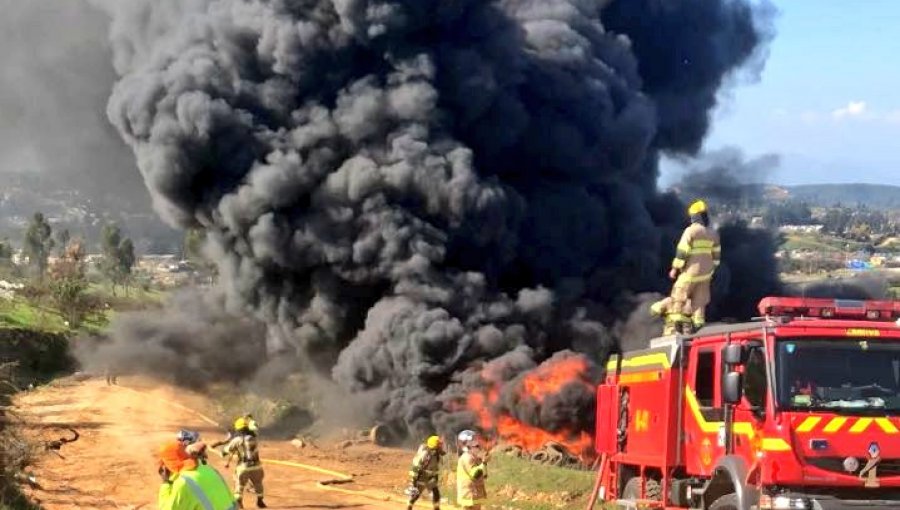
(112,466)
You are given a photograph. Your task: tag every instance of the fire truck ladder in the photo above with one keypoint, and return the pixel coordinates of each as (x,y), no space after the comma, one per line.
(600,490)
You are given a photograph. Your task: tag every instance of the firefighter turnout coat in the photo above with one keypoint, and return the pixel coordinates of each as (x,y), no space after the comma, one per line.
(696,259)
(470,474)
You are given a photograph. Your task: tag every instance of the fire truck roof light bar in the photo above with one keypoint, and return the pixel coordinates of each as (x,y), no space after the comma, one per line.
(830,308)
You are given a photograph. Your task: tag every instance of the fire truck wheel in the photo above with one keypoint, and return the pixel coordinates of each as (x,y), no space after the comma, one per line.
(652,489)
(727,502)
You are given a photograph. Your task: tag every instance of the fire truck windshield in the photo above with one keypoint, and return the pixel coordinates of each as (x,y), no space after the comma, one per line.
(838,375)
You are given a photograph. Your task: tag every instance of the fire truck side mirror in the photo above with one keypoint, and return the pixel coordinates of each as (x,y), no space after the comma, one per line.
(733,354)
(732,388)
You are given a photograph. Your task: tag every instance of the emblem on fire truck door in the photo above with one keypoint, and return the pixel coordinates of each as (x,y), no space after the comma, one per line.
(706,453)
(642,420)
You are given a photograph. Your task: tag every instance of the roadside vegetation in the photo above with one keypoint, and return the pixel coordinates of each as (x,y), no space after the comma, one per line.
(518,484)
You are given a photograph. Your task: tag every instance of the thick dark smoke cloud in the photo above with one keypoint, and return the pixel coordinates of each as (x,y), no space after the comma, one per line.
(727,178)
(193,341)
(405,189)
(864,286)
(57,76)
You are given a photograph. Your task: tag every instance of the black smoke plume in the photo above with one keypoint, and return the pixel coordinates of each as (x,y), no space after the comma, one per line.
(192,342)
(403,190)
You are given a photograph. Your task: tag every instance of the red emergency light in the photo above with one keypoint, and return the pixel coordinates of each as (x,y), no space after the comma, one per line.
(830,308)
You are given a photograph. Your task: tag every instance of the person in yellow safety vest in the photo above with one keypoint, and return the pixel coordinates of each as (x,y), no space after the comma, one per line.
(673,322)
(471,471)
(697,257)
(188,485)
(425,471)
(249,469)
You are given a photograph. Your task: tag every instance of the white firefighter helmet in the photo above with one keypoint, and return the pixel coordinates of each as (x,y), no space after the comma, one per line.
(465,438)
(188,436)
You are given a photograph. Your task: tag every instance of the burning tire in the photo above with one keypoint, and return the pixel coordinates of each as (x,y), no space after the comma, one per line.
(380,435)
(387,434)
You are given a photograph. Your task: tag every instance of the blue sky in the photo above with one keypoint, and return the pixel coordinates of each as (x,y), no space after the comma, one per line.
(828,101)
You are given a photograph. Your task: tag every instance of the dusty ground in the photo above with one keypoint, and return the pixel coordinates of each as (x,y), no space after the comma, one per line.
(112,466)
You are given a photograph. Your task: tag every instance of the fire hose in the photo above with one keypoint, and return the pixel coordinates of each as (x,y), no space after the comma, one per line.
(328,484)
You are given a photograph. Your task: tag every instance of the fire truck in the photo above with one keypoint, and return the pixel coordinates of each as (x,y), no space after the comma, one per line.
(797,409)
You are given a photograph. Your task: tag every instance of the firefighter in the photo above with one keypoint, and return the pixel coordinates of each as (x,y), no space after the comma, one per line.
(187,485)
(245,418)
(471,470)
(673,322)
(112,378)
(426,468)
(696,260)
(249,469)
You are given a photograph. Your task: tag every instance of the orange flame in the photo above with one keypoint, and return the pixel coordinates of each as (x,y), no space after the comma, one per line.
(549,378)
(545,380)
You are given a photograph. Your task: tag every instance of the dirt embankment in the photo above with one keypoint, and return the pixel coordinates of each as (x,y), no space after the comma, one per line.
(112,465)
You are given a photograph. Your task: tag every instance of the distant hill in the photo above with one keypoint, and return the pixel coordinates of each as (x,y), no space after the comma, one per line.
(875,196)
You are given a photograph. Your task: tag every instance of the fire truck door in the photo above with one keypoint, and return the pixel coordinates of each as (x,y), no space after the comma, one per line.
(704,414)
(749,414)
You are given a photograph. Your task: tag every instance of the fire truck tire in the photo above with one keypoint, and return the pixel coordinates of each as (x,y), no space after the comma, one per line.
(652,489)
(726,502)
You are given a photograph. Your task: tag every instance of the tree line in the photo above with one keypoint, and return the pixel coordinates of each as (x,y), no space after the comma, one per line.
(65,281)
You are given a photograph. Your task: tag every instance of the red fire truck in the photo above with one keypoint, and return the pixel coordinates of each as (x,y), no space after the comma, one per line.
(799,409)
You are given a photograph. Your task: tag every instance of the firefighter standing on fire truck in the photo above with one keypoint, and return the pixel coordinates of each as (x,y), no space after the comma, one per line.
(425,472)
(697,257)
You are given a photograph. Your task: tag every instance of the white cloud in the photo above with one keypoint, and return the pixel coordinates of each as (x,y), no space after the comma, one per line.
(853,109)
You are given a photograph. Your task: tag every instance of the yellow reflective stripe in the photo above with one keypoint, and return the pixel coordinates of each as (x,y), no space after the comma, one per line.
(683,247)
(677,317)
(809,423)
(886,425)
(775,444)
(834,425)
(639,377)
(678,263)
(694,279)
(861,425)
(656,358)
(703,243)
(700,251)
(742,428)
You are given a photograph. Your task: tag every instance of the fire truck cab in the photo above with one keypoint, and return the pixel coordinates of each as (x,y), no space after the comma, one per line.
(799,409)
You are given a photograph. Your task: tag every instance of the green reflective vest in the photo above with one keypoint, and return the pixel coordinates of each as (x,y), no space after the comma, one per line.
(197,489)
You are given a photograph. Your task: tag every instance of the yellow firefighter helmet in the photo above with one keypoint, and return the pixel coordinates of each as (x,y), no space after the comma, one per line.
(433,442)
(240,423)
(698,207)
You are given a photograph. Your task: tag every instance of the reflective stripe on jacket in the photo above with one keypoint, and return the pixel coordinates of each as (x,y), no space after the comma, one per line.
(426,465)
(470,475)
(196,489)
(246,447)
(698,252)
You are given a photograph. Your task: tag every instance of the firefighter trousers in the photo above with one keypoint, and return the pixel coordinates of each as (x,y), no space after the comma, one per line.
(422,487)
(687,290)
(248,475)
